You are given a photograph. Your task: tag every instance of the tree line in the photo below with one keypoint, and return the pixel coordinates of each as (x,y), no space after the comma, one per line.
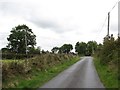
(22,40)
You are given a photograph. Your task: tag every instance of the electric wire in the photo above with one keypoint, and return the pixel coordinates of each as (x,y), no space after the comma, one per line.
(114,6)
(100,30)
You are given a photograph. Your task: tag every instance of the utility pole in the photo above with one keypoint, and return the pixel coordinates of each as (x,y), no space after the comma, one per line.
(26,41)
(26,65)
(26,51)
(108,23)
(118,19)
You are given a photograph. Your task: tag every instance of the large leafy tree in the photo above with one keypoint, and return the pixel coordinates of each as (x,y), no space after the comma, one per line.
(83,48)
(66,48)
(21,37)
(80,48)
(91,47)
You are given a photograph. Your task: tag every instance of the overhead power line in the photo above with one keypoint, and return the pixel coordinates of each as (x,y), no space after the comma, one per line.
(101,27)
(103,24)
(106,19)
(114,6)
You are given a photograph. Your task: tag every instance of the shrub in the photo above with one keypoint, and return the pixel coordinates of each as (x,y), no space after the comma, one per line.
(109,51)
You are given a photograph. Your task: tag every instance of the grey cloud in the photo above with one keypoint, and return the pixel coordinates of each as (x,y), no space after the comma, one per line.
(29,12)
(43,23)
(52,24)
(9,8)
(15,9)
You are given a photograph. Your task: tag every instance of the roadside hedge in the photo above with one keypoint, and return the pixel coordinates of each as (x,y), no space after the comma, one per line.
(40,63)
(16,56)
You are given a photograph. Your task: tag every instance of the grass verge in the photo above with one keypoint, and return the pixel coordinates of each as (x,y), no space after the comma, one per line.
(108,74)
(38,78)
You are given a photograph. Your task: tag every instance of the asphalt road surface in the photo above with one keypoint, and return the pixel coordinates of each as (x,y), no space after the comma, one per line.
(80,75)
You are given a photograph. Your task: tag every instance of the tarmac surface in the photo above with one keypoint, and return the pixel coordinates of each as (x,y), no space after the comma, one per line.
(80,75)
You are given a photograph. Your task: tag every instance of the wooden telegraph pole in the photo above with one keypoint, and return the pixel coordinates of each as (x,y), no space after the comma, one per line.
(108,23)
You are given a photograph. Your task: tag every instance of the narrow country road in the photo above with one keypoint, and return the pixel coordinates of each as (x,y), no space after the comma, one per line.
(80,75)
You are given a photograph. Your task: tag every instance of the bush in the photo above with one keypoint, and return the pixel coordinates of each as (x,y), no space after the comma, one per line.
(109,51)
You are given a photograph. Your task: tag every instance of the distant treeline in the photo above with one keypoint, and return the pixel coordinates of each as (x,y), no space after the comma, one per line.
(81,48)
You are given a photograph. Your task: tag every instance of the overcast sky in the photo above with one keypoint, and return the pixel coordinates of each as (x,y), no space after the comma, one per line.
(56,22)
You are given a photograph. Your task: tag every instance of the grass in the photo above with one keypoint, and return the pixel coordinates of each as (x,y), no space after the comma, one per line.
(107,74)
(38,78)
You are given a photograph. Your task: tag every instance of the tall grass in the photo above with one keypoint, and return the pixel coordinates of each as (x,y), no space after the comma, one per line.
(107,73)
